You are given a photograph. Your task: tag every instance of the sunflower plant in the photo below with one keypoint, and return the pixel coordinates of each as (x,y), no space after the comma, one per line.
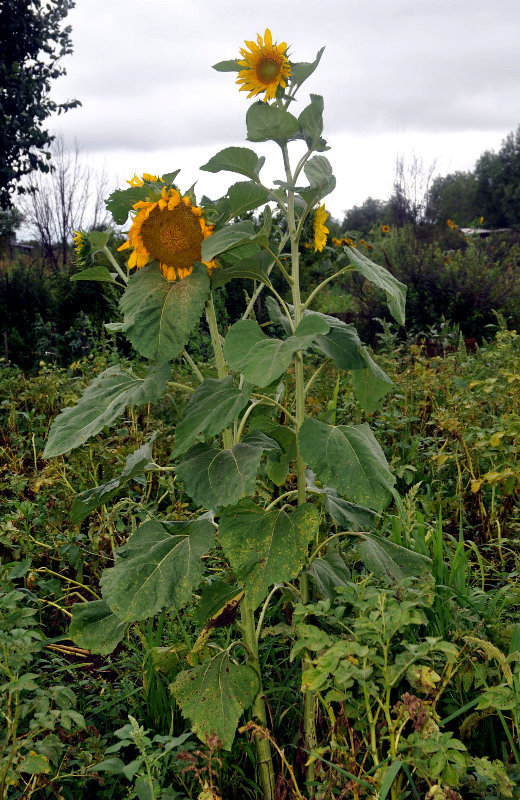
(247,420)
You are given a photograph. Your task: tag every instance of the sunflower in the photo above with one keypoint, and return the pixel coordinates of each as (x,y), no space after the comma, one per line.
(169,230)
(320,231)
(385,228)
(266,67)
(83,248)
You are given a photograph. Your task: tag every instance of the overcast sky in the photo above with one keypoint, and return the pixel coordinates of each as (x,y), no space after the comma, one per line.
(436,77)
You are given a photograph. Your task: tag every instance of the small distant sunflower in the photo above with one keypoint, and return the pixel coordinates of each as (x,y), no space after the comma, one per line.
(452,225)
(266,67)
(169,230)
(320,231)
(385,228)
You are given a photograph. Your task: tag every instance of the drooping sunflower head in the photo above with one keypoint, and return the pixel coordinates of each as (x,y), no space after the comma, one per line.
(265,67)
(169,229)
(320,231)
(83,248)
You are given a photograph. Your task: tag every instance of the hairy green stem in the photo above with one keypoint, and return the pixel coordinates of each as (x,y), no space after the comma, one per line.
(308,697)
(263,746)
(114,263)
(222,367)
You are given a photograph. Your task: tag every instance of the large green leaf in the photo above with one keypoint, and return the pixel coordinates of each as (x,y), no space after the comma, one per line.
(98,273)
(245,196)
(96,627)
(121,201)
(349,516)
(159,315)
(301,70)
(268,122)
(343,345)
(254,267)
(370,384)
(136,463)
(311,121)
(329,572)
(381,277)
(211,408)
(348,458)
(266,548)
(213,696)
(213,598)
(157,569)
(227,238)
(387,558)
(261,359)
(230,65)
(236,159)
(321,180)
(278,462)
(215,478)
(101,403)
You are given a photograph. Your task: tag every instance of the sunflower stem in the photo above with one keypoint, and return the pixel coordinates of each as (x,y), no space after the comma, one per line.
(294,234)
(222,367)
(115,264)
(263,746)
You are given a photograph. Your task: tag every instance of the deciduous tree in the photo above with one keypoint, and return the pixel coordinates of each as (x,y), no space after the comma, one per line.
(33,42)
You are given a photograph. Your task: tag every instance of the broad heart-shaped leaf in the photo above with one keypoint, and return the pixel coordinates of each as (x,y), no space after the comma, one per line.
(266,547)
(254,267)
(321,180)
(236,159)
(348,458)
(349,516)
(277,465)
(156,569)
(265,122)
(311,120)
(387,558)
(96,627)
(101,403)
(245,196)
(159,315)
(136,463)
(215,478)
(262,360)
(213,597)
(121,201)
(370,384)
(227,238)
(99,273)
(230,65)
(211,408)
(214,694)
(302,70)
(329,572)
(343,345)
(381,277)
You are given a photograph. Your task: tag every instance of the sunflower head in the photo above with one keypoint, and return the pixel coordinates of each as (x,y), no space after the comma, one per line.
(265,67)
(385,229)
(167,228)
(320,231)
(452,225)
(83,248)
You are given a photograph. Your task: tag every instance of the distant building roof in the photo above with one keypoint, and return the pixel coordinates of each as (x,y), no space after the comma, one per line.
(483,232)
